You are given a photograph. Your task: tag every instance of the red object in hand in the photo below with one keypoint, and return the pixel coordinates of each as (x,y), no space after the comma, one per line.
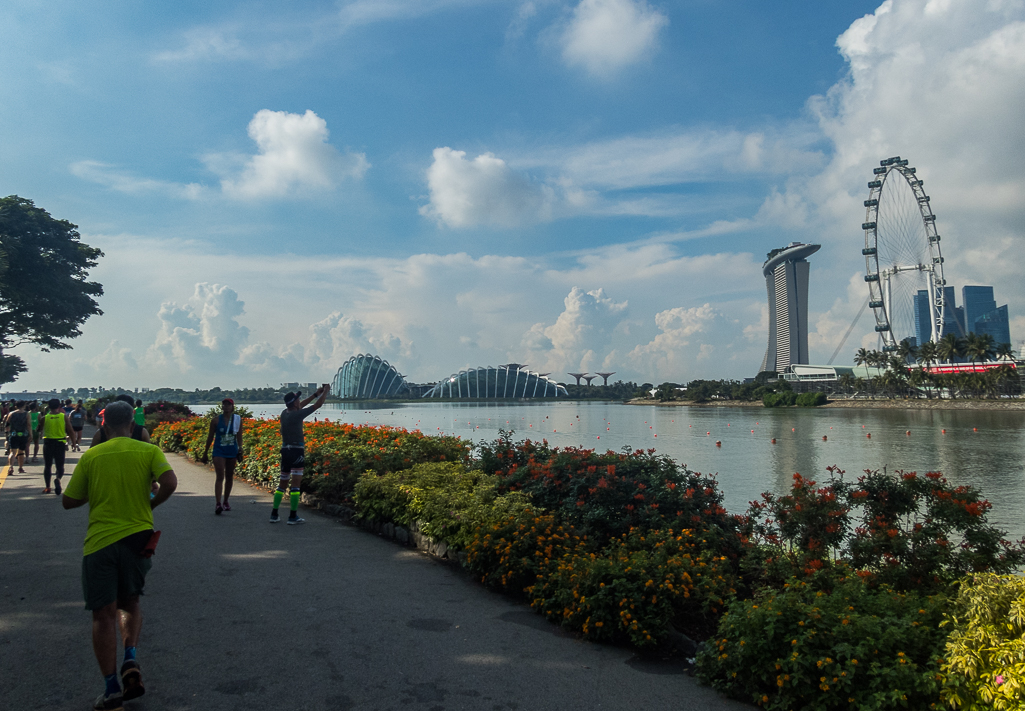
(151,545)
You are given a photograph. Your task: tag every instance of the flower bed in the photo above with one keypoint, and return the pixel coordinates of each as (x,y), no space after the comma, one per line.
(831,596)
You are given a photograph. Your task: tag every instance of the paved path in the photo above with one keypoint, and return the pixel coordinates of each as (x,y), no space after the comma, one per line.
(244,615)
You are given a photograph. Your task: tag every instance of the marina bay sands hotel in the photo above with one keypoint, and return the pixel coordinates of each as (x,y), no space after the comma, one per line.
(786,280)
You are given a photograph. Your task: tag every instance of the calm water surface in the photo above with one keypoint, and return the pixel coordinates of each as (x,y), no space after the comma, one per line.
(983,449)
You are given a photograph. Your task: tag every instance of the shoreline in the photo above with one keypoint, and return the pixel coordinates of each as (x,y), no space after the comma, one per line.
(881,404)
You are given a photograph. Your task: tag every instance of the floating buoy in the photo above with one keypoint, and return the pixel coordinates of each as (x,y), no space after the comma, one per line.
(718,443)
(975,429)
(943,431)
(908,433)
(792,429)
(708,433)
(774,440)
(656,435)
(823,438)
(752,431)
(869,435)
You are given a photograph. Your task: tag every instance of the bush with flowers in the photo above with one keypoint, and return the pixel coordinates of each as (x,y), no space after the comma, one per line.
(336,454)
(608,494)
(852,647)
(984,664)
(444,499)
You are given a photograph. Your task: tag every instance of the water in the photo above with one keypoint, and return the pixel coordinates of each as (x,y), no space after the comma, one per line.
(983,449)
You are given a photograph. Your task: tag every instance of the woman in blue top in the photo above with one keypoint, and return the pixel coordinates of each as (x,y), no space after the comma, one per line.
(226,436)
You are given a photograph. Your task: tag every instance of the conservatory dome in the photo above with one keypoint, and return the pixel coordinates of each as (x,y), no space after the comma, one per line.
(366,376)
(505,381)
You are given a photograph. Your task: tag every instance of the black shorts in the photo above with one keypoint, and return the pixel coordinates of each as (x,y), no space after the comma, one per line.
(18,442)
(291,458)
(77,428)
(115,573)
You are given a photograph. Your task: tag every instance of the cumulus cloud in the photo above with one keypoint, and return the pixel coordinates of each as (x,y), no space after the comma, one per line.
(115,357)
(482,191)
(938,83)
(603,36)
(294,158)
(675,350)
(580,338)
(202,332)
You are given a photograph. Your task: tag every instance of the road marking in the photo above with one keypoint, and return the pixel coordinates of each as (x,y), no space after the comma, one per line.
(3,476)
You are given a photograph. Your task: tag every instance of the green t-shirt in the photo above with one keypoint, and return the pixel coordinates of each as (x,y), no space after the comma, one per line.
(116,477)
(140,416)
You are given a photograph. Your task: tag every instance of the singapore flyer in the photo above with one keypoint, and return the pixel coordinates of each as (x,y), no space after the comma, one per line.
(902,255)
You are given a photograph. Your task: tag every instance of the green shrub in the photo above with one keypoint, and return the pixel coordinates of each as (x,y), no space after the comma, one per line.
(786,398)
(635,588)
(811,400)
(448,502)
(851,648)
(985,654)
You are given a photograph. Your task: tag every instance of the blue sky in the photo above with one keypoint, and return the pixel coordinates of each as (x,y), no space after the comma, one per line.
(579,185)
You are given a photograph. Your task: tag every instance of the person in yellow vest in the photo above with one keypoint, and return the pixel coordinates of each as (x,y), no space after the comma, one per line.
(56,429)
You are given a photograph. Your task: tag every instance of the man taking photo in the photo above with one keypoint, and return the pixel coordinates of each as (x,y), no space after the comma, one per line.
(115,479)
(293,443)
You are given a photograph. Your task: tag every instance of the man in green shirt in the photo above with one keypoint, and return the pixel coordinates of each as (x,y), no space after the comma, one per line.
(115,479)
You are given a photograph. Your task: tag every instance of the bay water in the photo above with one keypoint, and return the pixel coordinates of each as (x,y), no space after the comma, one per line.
(985,449)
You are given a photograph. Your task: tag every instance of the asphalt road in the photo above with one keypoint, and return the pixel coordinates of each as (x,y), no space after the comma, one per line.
(244,615)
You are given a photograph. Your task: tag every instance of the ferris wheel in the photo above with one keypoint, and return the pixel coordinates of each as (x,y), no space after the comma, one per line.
(903,263)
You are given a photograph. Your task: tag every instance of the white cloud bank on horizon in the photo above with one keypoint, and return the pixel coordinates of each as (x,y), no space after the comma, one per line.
(604,36)
(294,159)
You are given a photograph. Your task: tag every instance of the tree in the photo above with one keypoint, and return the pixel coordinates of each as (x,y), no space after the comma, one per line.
(861,357)
(979,347)
(1004,352)
(44,295)
(906,351)
(928,353)
(950,347)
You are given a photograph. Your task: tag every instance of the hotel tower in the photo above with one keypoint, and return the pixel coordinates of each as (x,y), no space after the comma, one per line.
(786,280)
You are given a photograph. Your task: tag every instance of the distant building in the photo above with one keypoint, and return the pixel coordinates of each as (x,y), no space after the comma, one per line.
(983,316)
(366,377)
(505,381)
(786,280)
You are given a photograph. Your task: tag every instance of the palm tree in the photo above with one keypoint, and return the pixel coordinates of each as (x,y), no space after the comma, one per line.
(950,347)
(979,347)
(861,357)
(1004,352)
(916,379)
(906,351)
(927,353)
(846,381)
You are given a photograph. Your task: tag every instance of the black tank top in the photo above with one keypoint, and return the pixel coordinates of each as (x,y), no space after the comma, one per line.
(101,434)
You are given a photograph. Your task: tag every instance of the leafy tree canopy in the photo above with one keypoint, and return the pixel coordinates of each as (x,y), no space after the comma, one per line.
(44,292)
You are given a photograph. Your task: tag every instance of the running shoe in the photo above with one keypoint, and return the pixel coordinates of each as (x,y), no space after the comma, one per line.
(57,487)
(47,490)
(295,520)
(108,702)
(274,518)
(131,678)
(226,506)
(218,509)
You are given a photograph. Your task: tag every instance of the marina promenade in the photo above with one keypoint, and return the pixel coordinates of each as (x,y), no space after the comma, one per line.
(241,614)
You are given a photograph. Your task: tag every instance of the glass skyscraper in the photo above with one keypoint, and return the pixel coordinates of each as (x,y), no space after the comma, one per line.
(786,281)
(983,316)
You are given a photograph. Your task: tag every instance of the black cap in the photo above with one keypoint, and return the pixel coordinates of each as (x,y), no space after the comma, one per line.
(291,397)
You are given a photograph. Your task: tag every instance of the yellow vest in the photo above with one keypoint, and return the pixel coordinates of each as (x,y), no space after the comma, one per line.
(53,426)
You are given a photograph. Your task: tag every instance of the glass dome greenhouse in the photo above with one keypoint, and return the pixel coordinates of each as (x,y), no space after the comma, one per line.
(505,381)
(365,377)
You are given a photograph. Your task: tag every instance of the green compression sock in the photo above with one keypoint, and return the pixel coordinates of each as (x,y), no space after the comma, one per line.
(278,496)
(293,498)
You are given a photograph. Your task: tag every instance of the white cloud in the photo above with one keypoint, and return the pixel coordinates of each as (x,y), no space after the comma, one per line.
(581,337)
(204,332)
(112,177)
(674,351)
(294,158)
(941,84)
(115,357)
(603,36)
(483,191)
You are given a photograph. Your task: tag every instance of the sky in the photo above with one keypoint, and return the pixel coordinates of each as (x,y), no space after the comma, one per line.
(577,186)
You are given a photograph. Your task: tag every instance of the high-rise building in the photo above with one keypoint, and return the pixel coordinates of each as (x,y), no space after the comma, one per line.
(982,315)
(786,281)
(923,314)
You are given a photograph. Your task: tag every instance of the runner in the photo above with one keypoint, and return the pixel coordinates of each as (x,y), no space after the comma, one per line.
(19,430)
(293,441)
(226,435)
(114,479)
(77,419)
(139,432)
(33,412)
(140,413)
(56,430)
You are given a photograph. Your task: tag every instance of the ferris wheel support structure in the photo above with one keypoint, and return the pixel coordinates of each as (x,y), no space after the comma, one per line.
(899,239)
